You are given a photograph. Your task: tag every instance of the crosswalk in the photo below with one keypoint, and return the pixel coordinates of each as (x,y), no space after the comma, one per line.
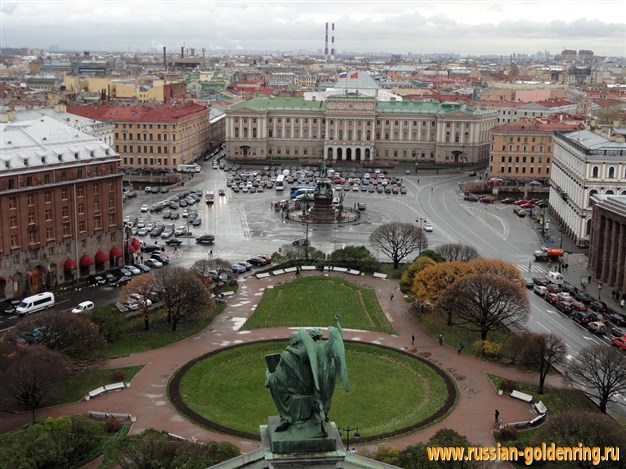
(535,268)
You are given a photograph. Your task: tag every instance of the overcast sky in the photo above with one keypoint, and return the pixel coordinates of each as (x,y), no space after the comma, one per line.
(465,27)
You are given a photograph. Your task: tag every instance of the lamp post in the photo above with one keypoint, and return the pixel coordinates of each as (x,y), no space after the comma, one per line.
(599,291)
(349,429)
(305,216)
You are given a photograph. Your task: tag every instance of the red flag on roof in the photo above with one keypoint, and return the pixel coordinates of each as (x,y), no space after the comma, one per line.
(355,75)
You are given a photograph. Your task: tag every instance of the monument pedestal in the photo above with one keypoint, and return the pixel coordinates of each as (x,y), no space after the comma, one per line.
(302,445)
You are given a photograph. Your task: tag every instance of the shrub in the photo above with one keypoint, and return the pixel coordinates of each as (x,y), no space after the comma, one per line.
(508,433)
(118,375)
(487,348)
(507,386)
(112,425)
(233,282)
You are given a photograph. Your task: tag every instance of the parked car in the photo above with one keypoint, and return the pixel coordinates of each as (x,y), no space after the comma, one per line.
(529,282)
(599,306)
(196,222)
(301,242)
(257,261)
(238,268)
(598,317)
(143,267)
(582,296)
(144,208)
(133,270)
(96,280)
(427,227)
(552,298)
(617,331)
(173,242)
(619,342)
(541,281)
(553,288)
(83,306)
(487,199)
(151,248)
(10,306)
(564,306)
(617,319)
(246,264)
(597,327)
(206,239)
(470,198)
(540,290)
(161,257)
(564,296)
(507,200)
(153,263)
(569,288)
(579,306)
(581,317)
(119,282)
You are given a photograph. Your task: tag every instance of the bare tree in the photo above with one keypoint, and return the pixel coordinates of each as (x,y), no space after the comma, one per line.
(141,288)
(601,370)
(204,267)
(75,335)
(457,252)
(31,373)
(397,240)
(182,292)
(486,302)
(541,352)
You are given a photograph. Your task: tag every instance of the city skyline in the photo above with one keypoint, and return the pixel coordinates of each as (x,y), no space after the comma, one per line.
(464,27)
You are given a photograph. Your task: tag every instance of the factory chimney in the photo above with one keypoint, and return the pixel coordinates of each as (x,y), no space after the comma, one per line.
(182,52)
(326,43)
(332,44)
(164,58)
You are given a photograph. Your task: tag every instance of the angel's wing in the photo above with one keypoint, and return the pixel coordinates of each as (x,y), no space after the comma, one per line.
(311,351)
(337,351)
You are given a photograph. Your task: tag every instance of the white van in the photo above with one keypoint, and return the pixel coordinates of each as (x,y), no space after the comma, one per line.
(555,277)
(35,303)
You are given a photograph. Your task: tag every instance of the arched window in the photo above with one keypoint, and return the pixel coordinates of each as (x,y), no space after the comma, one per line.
(594,172)
(245,132)
(592,192)
(611,172)
(236,132)
(609,192)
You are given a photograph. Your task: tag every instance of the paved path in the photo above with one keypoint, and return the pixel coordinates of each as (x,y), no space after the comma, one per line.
(146,398)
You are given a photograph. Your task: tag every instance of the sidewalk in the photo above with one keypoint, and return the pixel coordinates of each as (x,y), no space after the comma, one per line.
(146,398)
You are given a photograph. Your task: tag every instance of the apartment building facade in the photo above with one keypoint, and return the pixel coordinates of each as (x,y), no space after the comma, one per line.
(358,129)
(523,150)
(584,164)
(155,137)
(60,206)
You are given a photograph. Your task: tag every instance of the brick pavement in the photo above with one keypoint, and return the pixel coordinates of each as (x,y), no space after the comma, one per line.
(146,398)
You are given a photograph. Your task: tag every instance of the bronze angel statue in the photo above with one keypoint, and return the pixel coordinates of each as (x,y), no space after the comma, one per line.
(302,377)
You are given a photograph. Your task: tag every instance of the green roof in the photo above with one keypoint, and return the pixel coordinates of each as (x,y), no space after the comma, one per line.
(275,103)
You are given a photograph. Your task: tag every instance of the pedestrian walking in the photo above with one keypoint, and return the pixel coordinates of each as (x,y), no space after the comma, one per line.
(621,303)
(391,295)
(432,189)
(413,339)
(461,348)
(211,254)
(175,248)
(440,339)
(613,294)
(530,266)
(497,415)
(418,181)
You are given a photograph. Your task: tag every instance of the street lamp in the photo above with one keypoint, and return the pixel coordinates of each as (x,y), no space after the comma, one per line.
(349,429)
(599,291)
(305,216)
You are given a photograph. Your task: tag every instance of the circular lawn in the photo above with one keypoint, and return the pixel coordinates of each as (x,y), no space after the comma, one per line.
(391,392)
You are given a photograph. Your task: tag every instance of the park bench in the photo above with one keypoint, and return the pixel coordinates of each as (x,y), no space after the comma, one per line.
(340,269)
(228,293)
(114,386)
(278,272)
(95,392)
(290,269)
(308,267)
(262,275)
(541,408)
(522,396)
(354,272)
(379,275)
(115,415)
(537,419)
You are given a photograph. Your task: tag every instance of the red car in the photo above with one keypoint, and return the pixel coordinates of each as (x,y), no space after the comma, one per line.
(619,342)
(520,202)
(552,298)
(578,306)
(527,205)
(487,199)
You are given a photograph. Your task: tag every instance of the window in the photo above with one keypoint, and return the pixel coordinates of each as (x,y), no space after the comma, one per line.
(65,212)
(48,215)
(594,172)
(81,226)
(13,221)
(611,172)
(30,200)
(49,233)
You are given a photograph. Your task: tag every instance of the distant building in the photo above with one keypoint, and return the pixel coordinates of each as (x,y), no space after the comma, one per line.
(155,137)
(584,164)
(523,150)
(607,244)
(60,206)
(359,129)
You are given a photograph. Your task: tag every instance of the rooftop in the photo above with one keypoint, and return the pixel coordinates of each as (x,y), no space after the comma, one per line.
(139,113)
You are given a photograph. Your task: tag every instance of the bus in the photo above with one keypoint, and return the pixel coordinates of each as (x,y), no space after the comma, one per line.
(189,168)
(280,182)
(300,190)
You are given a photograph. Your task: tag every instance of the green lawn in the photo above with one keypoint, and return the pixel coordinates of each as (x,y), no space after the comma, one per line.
(136,339)
(314,301)
(80,384)
(228,388)
(454,336)
(554,399)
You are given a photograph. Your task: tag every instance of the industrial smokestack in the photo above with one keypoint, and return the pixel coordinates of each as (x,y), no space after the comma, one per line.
(182,52)
(332,43)
(326,43)
(164,58)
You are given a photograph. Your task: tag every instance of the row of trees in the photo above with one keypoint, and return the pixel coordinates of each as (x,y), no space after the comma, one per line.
(70,441)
